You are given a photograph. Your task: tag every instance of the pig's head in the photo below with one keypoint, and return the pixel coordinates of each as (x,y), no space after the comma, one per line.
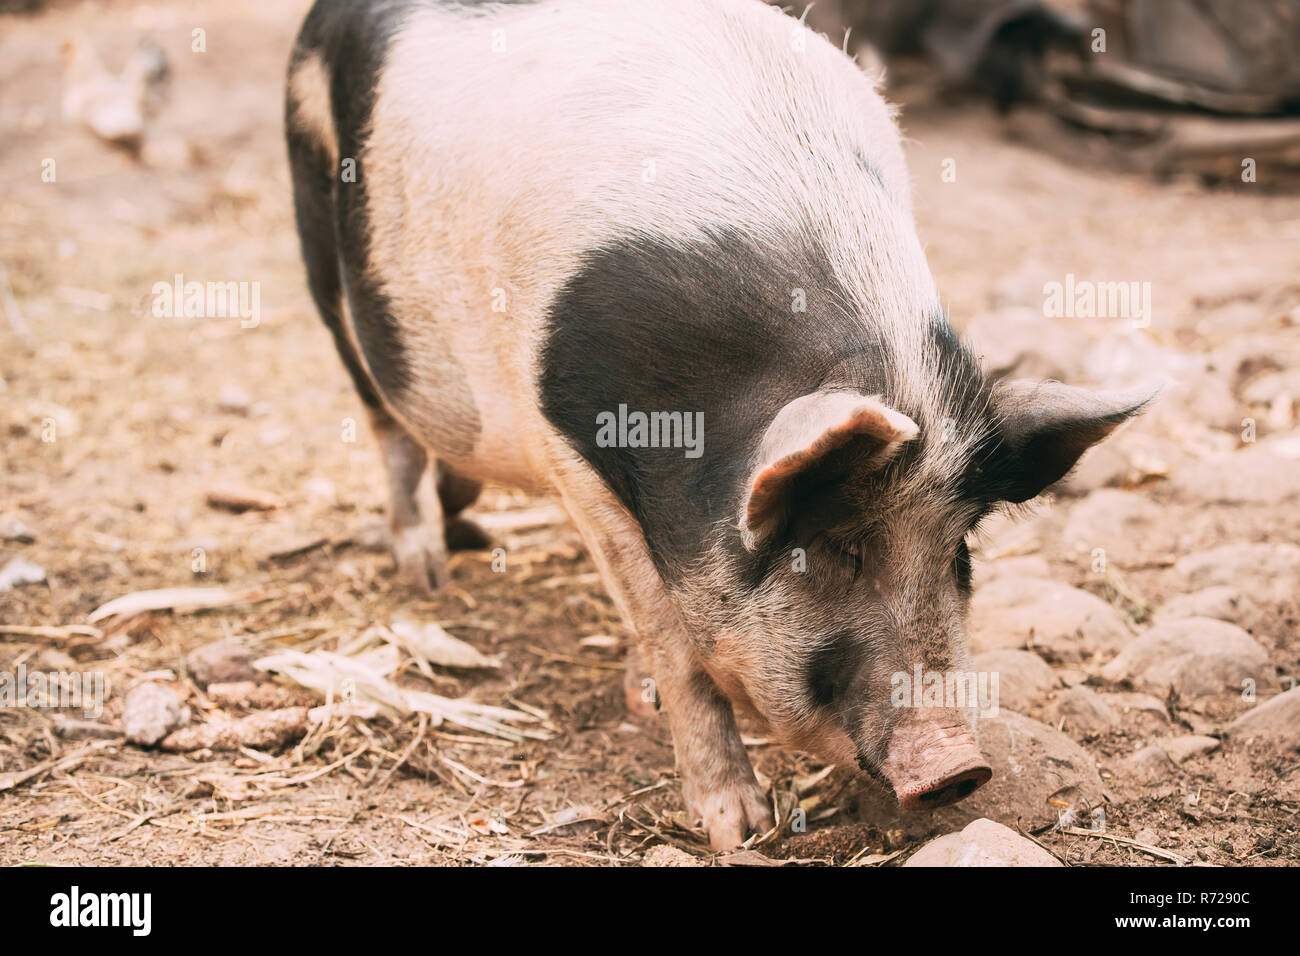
(846,571)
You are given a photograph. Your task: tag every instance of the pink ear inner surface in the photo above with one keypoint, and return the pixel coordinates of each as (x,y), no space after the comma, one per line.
(802,436)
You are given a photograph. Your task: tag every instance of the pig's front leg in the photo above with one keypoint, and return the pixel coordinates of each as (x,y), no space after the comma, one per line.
(718,782)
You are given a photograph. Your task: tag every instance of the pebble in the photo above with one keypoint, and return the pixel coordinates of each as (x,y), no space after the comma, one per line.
(223,662)
(982,843)
(1195,656)
(1024,678)
(152,711)
(1066,623)
(1222,602)
(1275,721)
(1081,711)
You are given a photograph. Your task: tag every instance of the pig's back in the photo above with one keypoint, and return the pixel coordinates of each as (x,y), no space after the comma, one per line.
(510,141)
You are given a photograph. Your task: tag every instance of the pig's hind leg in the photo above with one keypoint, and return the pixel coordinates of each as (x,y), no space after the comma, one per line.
(415,514)
(419,546)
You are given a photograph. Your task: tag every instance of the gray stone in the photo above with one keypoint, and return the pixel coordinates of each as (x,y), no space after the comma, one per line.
(1124,525)
(1267,573)
(1187,746)
(1064,622)
(20,571)
(150,712)
(1255,475)
(1275,722)
(1149,766)
(1221,602)
(1140,713)
(1081,711)
(982,843)
(1031,761)
(223,662)
(1196,656)
(1024,678)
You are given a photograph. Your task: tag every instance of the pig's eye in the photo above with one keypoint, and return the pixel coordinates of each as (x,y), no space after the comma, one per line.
(853,553)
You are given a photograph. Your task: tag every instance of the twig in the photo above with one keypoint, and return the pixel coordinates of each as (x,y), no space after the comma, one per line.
(410,748)
(16,777)
(1145,848)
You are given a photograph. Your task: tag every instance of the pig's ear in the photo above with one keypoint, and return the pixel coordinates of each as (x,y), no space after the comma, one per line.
(803,433)
(1046,426)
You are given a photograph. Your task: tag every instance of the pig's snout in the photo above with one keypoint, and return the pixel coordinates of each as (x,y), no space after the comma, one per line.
(933,760)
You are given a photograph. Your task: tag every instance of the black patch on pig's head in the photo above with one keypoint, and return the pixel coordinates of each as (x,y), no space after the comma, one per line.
(833,667)
(352,40)
(692,326)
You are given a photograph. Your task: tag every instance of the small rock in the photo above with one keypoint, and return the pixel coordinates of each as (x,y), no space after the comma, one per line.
(1188,746)
(1222,602)
(233,399)
(152,711)
(1195,656)
(1150,765)
(1065,622)
(1126,526)
(15,532)
(1198,397)
(20,571)
(1267,573)
(1084,712)
(666,855)
(253,695)
(1264,389)
(1140,713)
(223,662)
(1024,678)
(982,843)
(1128,460)
(1253,476)
(264,729)
(1276,721)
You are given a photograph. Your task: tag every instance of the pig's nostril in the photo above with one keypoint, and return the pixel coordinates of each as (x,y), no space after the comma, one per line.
(940,794)
(951,793)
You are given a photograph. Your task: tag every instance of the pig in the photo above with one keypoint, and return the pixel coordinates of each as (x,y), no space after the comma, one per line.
(533,228)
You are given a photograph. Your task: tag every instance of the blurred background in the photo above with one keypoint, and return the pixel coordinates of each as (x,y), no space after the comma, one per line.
(1152,142)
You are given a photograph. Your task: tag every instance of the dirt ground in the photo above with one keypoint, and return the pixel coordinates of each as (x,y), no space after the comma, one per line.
(148,415)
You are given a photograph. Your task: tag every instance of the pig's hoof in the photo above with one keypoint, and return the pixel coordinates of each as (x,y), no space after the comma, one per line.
(420,564)
(731,813)
(465,535)
(639,693)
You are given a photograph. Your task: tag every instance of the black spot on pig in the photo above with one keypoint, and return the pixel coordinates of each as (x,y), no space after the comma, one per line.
(708,327)
(832,668)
